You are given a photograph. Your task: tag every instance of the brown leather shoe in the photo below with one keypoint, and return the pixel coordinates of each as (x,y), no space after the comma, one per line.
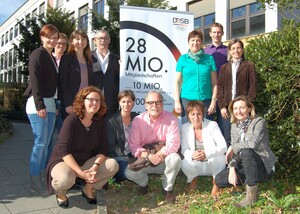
(170,198)
(193,185)
(143,190)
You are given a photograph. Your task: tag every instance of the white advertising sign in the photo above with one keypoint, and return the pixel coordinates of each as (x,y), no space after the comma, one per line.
(151,41)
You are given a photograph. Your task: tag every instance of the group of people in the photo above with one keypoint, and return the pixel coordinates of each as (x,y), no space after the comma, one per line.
(102,138)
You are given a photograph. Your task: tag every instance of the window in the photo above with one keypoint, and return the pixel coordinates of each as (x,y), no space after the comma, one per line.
(198,22)
(11,34)
(27,20)
(42,10)
(83,18)
(247,20)
(2,40)
(5,60)
(14,75)
(2,62)
(10,57)
(99,7)
(16,30)
(34,13)
(6,37)
(203,23)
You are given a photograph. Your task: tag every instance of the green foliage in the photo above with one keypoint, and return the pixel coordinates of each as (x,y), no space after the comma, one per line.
(30,38)
(283,4)
(5,125)
(112,25)
(276,57)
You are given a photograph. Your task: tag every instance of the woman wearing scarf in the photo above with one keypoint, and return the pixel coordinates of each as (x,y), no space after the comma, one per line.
(250,159)
(196,77)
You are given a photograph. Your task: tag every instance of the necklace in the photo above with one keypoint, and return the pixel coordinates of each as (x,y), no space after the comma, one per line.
(87,125)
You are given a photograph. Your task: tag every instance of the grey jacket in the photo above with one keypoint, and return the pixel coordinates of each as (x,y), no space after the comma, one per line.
(256,138)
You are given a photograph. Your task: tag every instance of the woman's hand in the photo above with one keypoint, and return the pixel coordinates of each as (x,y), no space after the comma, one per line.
(232,177)
(89,176)
(69,109)
(212,107)
(224,113)
(199,155)
(229,155)
(178,108)
(42,113)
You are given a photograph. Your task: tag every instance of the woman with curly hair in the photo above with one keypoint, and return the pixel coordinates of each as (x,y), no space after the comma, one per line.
(81,149)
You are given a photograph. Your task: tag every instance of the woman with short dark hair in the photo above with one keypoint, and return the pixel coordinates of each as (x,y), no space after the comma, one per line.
(203,147)
(118,126)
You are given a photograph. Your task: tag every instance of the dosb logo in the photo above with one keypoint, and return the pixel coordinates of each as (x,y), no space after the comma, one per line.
(180,21)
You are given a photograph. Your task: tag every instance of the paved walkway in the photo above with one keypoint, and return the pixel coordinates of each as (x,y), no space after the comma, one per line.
(15,196)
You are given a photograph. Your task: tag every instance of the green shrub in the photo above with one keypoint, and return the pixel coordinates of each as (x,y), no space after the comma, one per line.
(276,57)
(14,115)
(5,125)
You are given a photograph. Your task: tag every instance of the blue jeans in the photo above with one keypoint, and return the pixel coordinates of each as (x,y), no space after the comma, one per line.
(42,129)
(184,102)
(120,176)
(225,127)
(250,170)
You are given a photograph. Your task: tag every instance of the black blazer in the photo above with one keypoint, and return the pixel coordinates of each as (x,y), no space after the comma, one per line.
(70,79)
(110,81)
(116,135)
(43,77)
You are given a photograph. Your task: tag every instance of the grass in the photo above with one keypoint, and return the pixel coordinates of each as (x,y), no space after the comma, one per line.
(275,196)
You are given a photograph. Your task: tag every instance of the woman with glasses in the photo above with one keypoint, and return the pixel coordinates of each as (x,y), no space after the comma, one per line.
(40,106)
(76,70)
(81,149)
(118,127)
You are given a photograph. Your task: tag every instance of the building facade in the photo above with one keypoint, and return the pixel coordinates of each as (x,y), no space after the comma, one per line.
(240,18)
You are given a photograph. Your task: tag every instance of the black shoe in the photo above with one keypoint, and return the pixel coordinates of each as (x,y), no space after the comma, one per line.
(62,204)
(89,200)
(143,190)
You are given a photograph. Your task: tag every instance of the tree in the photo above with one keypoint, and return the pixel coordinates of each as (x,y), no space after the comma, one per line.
(112,24)
(276,57)
(57,17)
(30,40)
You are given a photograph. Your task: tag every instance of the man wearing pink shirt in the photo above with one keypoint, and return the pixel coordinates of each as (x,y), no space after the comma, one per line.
(155,125)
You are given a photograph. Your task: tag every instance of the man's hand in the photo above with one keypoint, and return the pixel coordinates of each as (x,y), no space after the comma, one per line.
(155,159)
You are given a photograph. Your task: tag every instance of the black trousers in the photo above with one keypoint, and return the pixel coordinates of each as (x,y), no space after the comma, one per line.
(250,170)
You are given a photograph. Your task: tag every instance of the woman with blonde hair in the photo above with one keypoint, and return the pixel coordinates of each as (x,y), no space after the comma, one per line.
(250,159)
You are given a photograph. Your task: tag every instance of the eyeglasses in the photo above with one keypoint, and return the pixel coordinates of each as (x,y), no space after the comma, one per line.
(61,43)
(151,103)
(103,38)
(92,100)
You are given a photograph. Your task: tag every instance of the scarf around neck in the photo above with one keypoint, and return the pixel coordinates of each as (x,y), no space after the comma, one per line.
(243,126)
(196,56)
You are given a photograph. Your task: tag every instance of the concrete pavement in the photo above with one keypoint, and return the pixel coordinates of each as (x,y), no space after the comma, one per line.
(15,196)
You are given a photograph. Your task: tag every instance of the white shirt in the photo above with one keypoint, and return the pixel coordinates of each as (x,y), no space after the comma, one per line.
(235,66)
(103,61)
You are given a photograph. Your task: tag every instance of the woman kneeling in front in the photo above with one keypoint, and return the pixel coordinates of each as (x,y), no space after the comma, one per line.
(250,158)
(81,149)
(203,147)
